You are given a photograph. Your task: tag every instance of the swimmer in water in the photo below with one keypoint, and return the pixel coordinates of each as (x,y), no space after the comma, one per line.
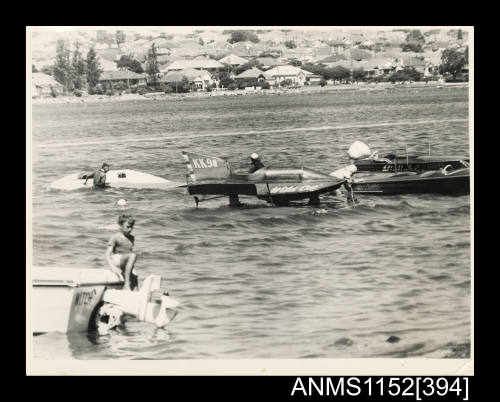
(119,253)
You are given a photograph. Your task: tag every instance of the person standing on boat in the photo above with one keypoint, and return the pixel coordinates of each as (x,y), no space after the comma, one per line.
(119,254)
(99,176)
(256,163)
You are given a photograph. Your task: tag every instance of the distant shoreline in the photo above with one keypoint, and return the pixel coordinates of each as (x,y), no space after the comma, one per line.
(265,92)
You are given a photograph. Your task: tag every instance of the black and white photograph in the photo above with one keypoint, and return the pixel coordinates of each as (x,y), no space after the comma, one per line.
(250,200)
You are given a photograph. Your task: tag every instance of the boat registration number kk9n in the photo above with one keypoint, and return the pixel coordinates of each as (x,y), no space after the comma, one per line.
(293,189)
(84,298)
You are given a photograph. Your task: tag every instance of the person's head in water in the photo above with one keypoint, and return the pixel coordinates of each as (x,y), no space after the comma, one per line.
(105,167)
(126,223)
(254,157)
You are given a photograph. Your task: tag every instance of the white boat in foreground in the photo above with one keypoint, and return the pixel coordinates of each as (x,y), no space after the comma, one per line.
(79,299)
(125,178)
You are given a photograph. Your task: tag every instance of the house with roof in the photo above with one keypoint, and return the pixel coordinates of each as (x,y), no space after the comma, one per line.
(198,79)
(111,78)
(254,73)
(233,60)
(45,85)
(294,74)
(418,63)
(197,64)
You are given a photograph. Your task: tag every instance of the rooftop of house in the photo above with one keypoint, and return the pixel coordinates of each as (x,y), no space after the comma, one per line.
(41,79)
(120,75)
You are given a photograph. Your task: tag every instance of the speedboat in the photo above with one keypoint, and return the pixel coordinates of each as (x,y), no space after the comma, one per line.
(367,161)
(408,163)
(442,181)
(67,299)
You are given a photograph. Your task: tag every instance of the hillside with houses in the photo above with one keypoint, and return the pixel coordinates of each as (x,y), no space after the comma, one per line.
(110,61)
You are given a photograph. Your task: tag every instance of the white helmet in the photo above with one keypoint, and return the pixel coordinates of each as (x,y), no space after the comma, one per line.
(254,156)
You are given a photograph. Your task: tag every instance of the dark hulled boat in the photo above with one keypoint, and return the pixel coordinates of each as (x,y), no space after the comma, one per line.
(443,181)
(410,163)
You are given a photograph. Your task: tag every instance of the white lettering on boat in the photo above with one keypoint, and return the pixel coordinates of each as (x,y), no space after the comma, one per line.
(294,189)
(84,298)
(204,163)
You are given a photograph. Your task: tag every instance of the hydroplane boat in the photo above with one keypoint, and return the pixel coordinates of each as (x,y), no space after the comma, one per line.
(367,161)
(67,299)
(125,178)
(210,175)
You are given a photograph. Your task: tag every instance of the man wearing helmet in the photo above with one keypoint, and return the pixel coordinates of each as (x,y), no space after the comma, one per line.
(256,163)
(234,200)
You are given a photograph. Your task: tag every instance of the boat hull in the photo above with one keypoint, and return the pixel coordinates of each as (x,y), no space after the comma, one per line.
(412,164)
(125,178)
(65,299)
(455,183)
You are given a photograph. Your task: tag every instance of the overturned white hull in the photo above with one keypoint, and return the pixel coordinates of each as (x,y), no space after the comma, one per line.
(70,299)
(125,178)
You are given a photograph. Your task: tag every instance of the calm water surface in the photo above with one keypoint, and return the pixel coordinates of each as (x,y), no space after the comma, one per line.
(263,282)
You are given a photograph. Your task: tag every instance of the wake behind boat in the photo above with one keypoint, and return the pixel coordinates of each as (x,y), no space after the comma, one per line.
(125,178)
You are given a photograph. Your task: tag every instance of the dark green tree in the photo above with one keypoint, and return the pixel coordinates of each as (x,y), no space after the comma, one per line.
(127,62)
(34,69)
(460,35)
(359,74)
(290,44)
(415,36)
(93,69)
(242,36)
(452,62)
(412,47)
(340,73)
(62,65)
(152,65)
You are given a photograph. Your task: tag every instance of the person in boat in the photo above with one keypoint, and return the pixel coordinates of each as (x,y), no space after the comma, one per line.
(119,254)
(99,176)
(256,163)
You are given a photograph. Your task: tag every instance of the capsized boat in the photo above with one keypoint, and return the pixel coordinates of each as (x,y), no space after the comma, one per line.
(79,299)
(442,181)
(367,161)
(125,178)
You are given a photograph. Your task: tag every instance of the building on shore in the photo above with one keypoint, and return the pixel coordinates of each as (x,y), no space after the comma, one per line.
(233,61)
(198,79)
(111,78)
(295,75)
(45,85)
(197,64)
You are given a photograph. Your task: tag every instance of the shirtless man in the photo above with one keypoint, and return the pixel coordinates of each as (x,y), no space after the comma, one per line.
(119,253)
(99,176)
